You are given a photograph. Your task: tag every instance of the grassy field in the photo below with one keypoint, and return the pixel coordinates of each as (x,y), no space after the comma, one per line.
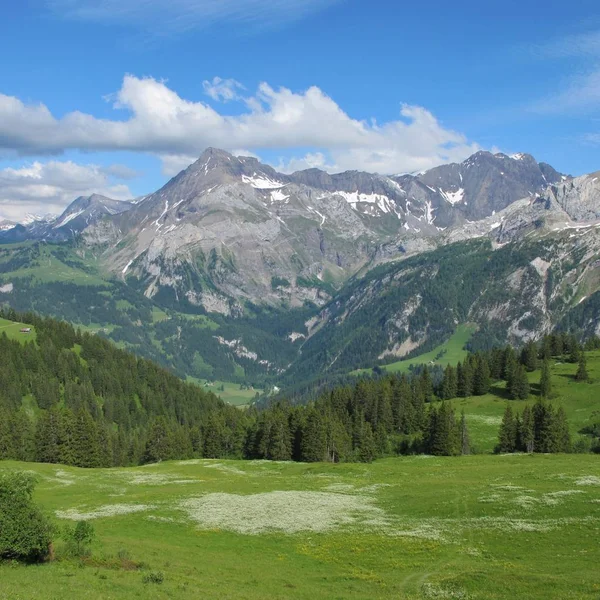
(231,392)
(450,352)
(476,527)
(13,331)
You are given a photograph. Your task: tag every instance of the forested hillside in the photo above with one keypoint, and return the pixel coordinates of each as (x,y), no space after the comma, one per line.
(74,398)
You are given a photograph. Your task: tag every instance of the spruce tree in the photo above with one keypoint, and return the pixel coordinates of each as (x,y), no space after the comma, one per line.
(546,380)
(519,385)
(575,352)
(527,431)
(314,439)
(159,442)
(529,356)
(507,437)
(481,376)
(426,384)
(449,383)
(582,374)
(367,450)
(560,432)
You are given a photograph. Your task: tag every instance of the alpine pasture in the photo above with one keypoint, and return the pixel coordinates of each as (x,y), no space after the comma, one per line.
(485,527)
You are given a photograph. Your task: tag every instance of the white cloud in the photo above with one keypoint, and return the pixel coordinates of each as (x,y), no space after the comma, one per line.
(578,94)
(163,123)
(585,44)
(222,89)
(49,187)
(177,16)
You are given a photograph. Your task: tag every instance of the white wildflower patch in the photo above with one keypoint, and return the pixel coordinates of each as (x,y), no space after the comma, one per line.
(554,498)
(491,499)
(225,468)
(160,519)
(62,477)
(525,502)
(145,478)
(507,487)
(283,511)
(588,480)
(108,510)
(431,590)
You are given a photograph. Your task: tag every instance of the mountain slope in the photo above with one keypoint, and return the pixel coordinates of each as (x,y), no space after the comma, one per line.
(230,230)
(81,213)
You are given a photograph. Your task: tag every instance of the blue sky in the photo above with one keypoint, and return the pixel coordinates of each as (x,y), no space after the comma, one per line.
(117,95)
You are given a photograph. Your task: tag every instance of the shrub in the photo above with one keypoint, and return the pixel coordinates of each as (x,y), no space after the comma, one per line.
(79,538)
(153,577)
(25,532)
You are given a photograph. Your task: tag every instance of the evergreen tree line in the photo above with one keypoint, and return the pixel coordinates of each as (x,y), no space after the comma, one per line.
(541,428)
(76,399)
(474,375)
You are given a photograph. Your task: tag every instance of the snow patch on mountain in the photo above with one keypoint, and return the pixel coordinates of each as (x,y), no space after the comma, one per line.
(262,182)
(453,197)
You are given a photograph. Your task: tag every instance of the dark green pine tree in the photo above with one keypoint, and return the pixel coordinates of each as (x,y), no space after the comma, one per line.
(543,425)
(519,385)
(314,439)
(582,374)
(449,383)
(507,436)
(481,376)
(509,364)
(560,432)
(443,438)
(546,380)
(426,384)
(47,436)
(86,443)
(339,443)
(367,449)
(159,442)
(280,442)
(575,351)
(527,431)
(213,434)
(529,356)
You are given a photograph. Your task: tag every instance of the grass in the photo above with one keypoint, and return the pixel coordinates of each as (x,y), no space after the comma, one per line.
(450,352)
(476,527)
(13,331)
(231,392)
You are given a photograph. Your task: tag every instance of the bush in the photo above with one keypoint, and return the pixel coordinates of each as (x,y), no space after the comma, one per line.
(153,577)
(25,532)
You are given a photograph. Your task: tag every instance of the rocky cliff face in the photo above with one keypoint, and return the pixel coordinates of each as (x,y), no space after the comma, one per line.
(230,229)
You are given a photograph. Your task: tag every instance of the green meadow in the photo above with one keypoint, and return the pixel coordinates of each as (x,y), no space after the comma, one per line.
(479,527)
(450,352)
(13,331)
(229,392)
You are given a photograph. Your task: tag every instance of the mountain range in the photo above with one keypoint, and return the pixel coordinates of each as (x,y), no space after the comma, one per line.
(288,276)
